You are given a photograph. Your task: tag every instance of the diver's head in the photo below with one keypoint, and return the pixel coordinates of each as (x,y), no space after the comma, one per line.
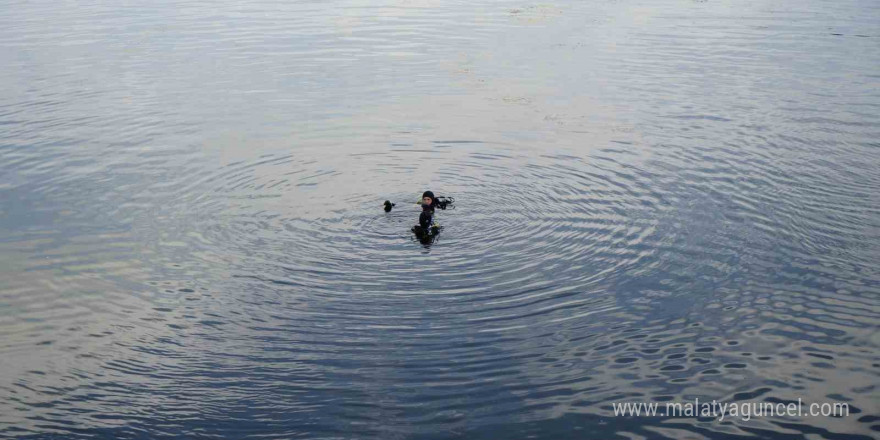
(428,198)
(388,205)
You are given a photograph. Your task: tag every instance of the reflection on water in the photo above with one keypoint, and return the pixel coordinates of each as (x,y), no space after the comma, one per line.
(655,202)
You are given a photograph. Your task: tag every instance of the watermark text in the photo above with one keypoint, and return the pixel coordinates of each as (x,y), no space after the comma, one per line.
(719,410)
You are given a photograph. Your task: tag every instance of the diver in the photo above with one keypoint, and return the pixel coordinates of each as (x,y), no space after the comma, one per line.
(427,227)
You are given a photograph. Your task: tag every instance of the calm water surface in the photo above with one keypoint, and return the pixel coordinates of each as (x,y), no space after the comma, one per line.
(657,201)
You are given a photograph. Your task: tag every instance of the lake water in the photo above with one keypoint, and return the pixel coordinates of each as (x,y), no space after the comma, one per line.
(656,201)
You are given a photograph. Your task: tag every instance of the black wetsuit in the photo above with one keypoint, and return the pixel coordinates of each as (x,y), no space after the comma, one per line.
(426,226)
(426,219)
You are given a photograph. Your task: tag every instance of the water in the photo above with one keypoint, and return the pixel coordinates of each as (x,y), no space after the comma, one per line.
(656,202)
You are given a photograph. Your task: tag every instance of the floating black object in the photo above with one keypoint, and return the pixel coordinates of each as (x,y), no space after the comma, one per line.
(388,206)
(443,202)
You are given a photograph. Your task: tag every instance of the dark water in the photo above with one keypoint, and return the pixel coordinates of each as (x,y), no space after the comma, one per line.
(656,201)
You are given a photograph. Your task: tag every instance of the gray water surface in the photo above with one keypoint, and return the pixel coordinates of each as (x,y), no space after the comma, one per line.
(656,201)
